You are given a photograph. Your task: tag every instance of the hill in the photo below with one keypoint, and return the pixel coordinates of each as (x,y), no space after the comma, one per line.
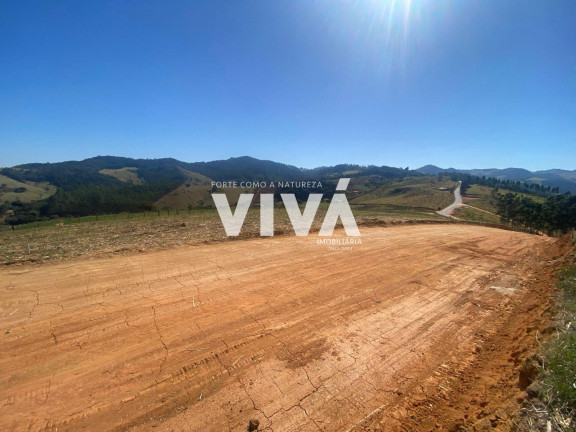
(24,191)
(195,192)
(109,184)
(112,170)
(420,192)
(563,180)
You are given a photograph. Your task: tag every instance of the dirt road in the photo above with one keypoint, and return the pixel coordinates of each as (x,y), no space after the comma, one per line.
(283,330)
(457,202)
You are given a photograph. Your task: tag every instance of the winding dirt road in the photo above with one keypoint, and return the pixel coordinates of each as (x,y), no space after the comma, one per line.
(457,202)
(282,330)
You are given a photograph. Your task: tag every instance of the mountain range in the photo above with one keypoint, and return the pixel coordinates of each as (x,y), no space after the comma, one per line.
(565,180)
(109,184)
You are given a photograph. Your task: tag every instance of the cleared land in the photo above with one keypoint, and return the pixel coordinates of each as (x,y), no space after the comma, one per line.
(12,190)
(194,192)
(126,175)
(481,197)
(420,192)
(476,215)
(128,233)
(284,330)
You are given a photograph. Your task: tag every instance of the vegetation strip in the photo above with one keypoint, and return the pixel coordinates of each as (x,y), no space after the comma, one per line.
(559,367)
(551,402)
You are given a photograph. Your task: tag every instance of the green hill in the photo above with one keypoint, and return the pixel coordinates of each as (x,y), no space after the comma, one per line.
(556,180)
(422,192)
(108,184)
(193,193)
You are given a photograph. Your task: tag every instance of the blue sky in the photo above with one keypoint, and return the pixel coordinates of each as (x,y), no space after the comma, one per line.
(463,83)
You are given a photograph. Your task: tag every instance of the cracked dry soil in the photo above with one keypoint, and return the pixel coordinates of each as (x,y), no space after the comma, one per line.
(400,333)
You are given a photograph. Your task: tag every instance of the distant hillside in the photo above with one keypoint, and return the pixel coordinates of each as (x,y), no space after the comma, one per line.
(434,170)
(193,193)
(109,184)
(11,190)
(246,168)
(125,175)
(417,192)
(564,180)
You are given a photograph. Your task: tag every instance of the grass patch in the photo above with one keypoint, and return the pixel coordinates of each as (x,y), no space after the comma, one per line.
(197,196)
(13,190)
(481,197)
(126,175)
(560,377)
(559,368)
(195,192)
(418,192)
(568,285)
(474,215)
(186,197)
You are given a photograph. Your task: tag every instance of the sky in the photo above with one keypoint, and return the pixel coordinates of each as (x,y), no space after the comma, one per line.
(455,83)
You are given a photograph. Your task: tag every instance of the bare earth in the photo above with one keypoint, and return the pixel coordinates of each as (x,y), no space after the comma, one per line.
(283,330)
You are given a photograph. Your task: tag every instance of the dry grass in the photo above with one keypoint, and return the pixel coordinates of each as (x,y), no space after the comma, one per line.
(106,237)
(481,197)
(421,192)
(34,191)
(126,175)
(195,193)
(474,215)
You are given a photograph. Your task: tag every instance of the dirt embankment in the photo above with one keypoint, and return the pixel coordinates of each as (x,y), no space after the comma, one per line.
(419,328)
